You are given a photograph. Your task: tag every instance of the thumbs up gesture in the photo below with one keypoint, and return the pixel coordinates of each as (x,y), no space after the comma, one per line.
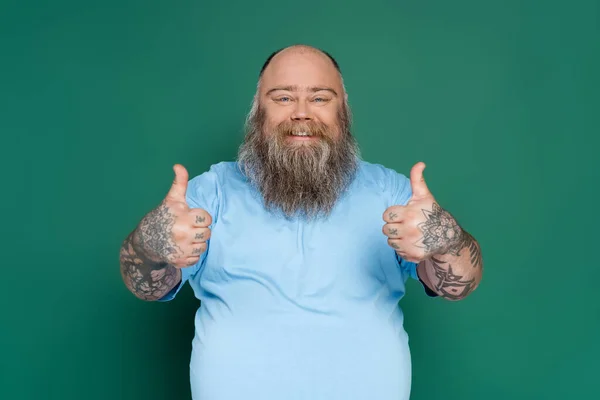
(173,232)
(421,228)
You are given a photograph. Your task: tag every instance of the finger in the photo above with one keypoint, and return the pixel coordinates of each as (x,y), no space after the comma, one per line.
(192,260)
(200,235)
(394,244)
(200,218)
(392,231)
(198,249)
(180,182)
(185,262)
(394,214)
(417,181)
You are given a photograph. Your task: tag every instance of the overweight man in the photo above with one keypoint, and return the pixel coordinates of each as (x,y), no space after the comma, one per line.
(299,251)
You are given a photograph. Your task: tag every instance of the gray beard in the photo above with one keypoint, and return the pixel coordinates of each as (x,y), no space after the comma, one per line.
(299,179)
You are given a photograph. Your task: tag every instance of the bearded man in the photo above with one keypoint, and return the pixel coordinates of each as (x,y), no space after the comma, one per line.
(299,251)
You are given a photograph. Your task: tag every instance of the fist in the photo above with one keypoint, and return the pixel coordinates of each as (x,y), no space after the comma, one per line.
(174,233)
(404,224)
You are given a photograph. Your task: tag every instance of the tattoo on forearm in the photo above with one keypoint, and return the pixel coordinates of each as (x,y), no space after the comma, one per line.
(148,280)
(443,235)
(450,285)
(474,250)
(146,254)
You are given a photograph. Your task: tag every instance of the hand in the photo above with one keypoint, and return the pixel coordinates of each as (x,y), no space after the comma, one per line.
(421,228)
(173,233)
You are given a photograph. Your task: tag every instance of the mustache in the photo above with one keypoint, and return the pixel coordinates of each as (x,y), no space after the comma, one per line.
(313,128)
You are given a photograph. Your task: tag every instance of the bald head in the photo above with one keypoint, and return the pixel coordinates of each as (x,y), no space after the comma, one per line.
(301,67)
(300,48)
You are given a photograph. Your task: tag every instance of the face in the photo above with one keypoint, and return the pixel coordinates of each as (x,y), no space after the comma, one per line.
(298,149)
(301,90)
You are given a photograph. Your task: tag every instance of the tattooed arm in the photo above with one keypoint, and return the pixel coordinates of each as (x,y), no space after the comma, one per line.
(454,267)
(170,237)
(448,257)
(145,278)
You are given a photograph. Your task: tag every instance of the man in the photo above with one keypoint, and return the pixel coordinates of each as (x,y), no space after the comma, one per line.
(299,287)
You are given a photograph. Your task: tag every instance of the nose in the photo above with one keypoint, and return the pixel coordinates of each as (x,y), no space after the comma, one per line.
(301,112)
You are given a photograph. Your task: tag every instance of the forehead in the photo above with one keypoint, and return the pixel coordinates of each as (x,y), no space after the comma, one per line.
(301,69)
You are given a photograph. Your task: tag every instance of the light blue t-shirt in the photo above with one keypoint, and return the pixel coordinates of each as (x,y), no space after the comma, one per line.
(292,309)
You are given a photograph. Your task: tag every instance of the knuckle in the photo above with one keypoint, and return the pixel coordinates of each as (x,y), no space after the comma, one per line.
(179,232)
(384,215)
(387,214)
(201,217)
(178,207)
(197,250)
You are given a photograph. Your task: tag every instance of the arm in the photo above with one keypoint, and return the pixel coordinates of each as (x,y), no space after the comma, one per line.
(448,257)
(146,279)
(170,237)
(456,269)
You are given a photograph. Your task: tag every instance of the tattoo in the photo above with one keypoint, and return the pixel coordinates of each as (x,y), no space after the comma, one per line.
(199,235)
(154,235)
(441,232)
(392,215)
(474,250)
(197,250)
(147,253)
(394,245)
(200,219)
(442,235)
(393,231)
(146,279)
(450,285)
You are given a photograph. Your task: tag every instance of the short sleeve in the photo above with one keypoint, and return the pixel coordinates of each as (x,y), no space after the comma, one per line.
(202,192)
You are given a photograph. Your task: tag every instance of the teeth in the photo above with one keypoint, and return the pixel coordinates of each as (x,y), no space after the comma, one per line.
(300,134)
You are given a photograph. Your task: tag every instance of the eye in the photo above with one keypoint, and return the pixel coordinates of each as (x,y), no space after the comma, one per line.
(283,99)
(320,100)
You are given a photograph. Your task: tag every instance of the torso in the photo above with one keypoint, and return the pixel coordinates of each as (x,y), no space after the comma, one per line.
(297,309)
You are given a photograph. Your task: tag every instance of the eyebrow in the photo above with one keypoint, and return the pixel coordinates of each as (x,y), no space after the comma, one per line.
(294,88)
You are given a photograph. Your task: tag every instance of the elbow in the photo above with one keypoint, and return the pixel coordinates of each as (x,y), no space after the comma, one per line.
(463,292)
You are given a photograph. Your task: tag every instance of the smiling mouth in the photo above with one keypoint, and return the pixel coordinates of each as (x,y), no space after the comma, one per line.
(301,134)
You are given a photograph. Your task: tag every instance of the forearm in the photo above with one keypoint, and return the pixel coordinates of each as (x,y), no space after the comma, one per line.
(456,271)
(147,279)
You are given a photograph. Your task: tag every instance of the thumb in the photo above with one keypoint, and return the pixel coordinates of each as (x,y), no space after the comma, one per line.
(417,182)
(179,186)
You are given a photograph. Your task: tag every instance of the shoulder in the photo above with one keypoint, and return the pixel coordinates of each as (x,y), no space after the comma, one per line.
(383,177)
(205,190)
(216,174)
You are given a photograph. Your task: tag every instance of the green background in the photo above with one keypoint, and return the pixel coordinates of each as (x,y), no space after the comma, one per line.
(99,99)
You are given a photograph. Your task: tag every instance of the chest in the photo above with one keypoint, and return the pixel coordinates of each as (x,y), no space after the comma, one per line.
(344,254)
